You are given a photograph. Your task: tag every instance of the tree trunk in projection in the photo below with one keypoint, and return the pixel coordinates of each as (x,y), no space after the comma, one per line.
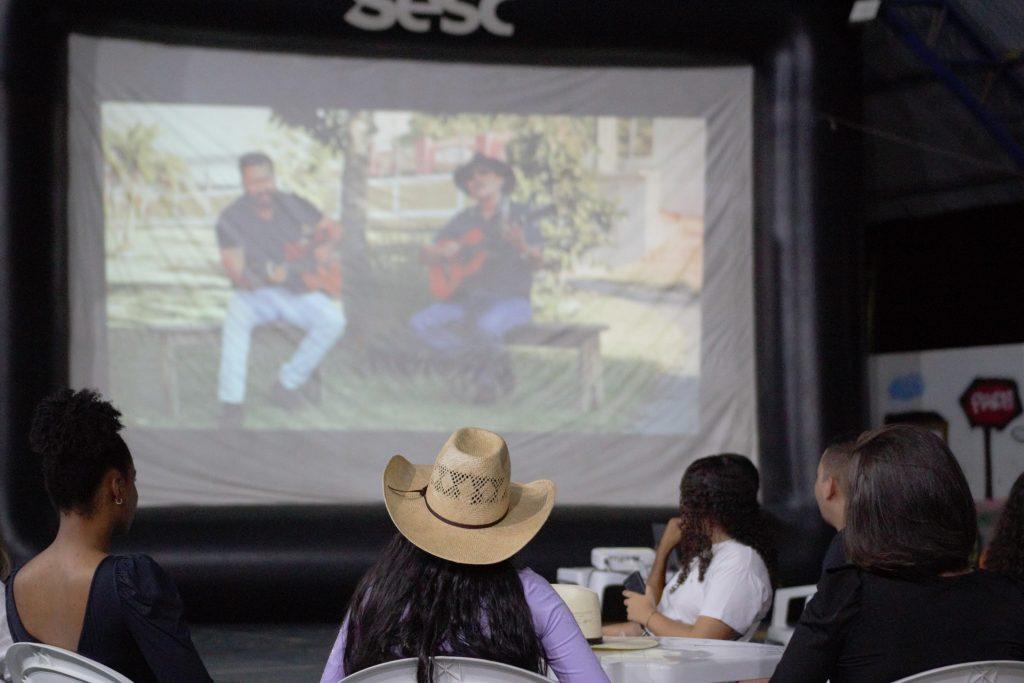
(348,134)
(355,142)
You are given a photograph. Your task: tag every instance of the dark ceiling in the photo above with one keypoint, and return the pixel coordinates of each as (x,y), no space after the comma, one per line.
(926,152)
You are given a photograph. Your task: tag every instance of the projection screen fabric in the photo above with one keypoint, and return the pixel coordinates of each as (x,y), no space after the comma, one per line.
(276,337)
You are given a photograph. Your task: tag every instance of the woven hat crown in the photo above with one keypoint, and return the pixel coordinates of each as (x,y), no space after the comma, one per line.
(469,483)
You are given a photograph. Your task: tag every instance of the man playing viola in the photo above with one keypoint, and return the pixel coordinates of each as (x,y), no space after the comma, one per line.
(487,254)
(281,255)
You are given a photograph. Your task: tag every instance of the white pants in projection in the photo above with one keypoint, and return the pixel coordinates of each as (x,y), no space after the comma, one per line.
(320,317)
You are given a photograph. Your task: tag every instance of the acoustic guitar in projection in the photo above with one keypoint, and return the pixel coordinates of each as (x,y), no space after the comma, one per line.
(446,274)
(316,259)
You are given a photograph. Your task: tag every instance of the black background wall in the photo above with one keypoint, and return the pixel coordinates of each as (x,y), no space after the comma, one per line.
(947,281)
(302,561)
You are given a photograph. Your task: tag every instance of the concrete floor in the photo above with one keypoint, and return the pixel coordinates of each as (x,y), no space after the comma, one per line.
(264,652)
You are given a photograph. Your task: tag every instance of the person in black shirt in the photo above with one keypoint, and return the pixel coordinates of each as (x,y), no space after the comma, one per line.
(910,600)
(280,253)
(498,247)
(122,611)
(830,494)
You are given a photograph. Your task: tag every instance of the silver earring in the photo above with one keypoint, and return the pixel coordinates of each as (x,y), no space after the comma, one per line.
(119,501)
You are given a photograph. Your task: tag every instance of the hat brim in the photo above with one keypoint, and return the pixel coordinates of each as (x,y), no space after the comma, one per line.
(529,507)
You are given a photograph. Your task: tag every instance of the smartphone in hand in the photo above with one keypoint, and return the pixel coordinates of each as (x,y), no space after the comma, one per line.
(635,582)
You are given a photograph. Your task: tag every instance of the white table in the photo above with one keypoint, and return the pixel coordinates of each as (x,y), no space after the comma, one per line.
(691,660)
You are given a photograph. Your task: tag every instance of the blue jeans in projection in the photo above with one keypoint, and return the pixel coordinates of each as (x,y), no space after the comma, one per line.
(314,312)
(443,325)
(474,336)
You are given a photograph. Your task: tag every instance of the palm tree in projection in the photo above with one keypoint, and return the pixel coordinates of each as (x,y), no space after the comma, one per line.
(141,180)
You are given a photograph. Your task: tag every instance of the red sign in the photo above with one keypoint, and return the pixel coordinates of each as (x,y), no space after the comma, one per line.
(991,403)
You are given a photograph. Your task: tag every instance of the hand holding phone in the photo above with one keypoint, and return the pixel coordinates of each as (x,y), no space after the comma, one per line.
(635,582)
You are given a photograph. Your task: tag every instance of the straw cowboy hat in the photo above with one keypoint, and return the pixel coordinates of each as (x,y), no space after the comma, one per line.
(464,172)
(465,507)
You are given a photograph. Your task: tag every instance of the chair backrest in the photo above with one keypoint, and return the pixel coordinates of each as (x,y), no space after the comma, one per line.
(781,630)
(38,663)
(447,670)
(972,672)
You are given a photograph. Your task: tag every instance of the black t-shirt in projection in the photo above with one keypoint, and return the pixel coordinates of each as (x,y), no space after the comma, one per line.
(506,273)
(865,628)
(263,242)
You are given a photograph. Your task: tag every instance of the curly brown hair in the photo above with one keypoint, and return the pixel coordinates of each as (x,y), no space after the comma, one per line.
(1006,551)
(722,489)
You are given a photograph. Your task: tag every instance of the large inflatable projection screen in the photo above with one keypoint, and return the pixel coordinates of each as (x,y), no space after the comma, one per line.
(285,269)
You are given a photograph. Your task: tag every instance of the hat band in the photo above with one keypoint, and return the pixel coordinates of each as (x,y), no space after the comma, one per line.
(423,495)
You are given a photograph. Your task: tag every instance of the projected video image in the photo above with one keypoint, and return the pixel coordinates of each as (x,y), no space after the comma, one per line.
(338,269)
(286,268)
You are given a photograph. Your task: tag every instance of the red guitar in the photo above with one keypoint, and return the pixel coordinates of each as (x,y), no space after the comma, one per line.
(452,261)
(315,257)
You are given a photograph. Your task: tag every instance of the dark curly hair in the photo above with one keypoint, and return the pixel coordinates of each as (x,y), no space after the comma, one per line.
(722,489)
(76,433)
(1006,551)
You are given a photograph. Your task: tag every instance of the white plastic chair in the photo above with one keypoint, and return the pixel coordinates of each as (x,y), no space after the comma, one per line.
(38,663)
(447,670)
(780,631)
(998,671)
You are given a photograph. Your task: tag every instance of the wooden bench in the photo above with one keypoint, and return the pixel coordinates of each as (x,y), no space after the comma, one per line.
(171,338)
(585,338)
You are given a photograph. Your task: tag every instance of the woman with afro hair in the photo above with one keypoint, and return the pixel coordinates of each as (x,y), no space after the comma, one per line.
(723,588)
(122,611)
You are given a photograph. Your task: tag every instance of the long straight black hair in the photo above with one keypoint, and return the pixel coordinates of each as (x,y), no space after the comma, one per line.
(413,604)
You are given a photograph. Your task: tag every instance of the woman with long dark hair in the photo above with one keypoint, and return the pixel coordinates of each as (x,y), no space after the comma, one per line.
(1005,553)
(724,585)
(910,600)
(444,585)
(119,610)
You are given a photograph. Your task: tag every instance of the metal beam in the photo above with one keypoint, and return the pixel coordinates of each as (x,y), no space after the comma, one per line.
(952,16)
(995,127)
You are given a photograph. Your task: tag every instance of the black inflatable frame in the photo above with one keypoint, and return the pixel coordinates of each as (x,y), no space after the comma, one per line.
(302,562)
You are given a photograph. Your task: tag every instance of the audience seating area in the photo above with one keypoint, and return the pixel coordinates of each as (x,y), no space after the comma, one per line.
(347,549)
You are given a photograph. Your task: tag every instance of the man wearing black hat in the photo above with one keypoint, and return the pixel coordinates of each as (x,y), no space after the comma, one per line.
(494,248)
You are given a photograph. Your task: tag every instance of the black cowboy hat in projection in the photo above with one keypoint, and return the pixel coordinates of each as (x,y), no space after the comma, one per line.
(463,173)
(465,507)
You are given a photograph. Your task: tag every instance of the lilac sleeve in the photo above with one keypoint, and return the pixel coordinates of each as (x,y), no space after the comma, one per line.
(335,669)
(565,648)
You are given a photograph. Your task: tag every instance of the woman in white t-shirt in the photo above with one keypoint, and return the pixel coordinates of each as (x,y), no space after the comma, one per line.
(724,587)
